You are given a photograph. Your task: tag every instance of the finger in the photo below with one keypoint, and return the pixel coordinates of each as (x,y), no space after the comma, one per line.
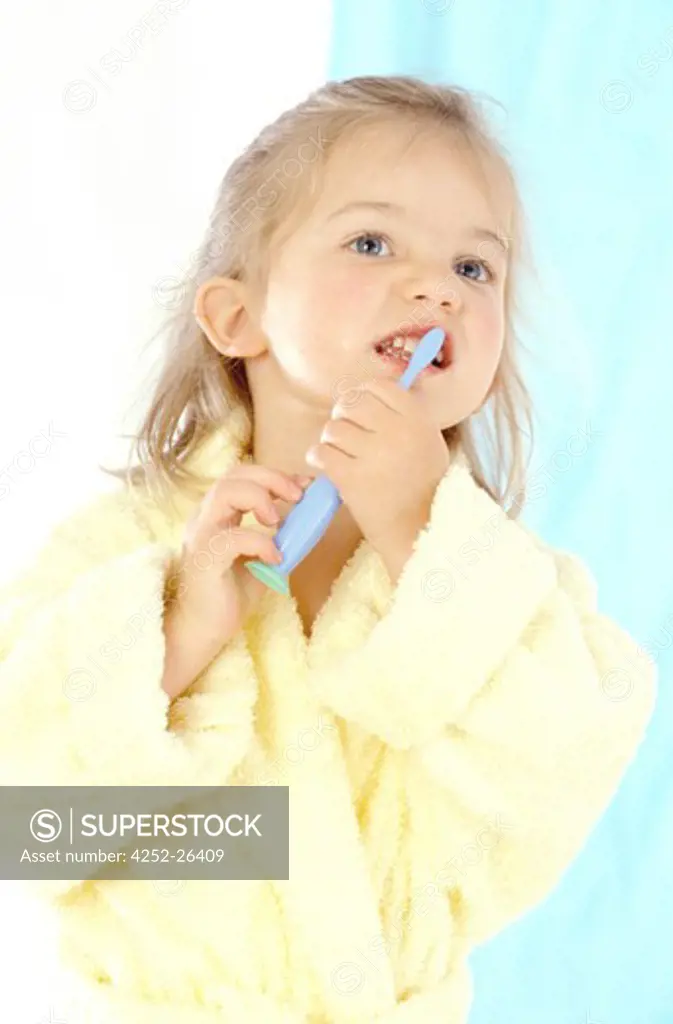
(388,393)
(329,460)
(284,492)
(369,412)
(345,436)
(230,498)
(275,480)
(232,543)
(251,588)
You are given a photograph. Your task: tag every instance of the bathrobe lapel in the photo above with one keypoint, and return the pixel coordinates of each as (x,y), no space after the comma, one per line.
(329,900)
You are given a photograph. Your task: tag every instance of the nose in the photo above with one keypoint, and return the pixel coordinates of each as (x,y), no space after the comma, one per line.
(435,289)
(431,300)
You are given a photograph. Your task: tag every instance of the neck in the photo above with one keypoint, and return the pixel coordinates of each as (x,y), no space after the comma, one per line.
(285,423)
(325,561)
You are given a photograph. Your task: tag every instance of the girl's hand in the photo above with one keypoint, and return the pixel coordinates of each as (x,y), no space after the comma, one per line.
(211,593)
(386,456)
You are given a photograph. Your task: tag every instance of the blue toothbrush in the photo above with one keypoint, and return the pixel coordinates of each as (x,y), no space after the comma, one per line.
(303,527)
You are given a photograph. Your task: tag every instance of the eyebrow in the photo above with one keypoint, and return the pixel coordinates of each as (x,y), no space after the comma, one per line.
(385,207)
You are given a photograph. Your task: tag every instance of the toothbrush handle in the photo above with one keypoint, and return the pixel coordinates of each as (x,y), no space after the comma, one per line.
(409,376)
(303,527)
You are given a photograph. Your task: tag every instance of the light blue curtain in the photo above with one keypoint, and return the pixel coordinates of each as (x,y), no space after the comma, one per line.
(587,90)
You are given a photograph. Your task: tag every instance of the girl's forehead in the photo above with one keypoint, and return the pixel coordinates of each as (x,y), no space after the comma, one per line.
(379,150)
(412,168)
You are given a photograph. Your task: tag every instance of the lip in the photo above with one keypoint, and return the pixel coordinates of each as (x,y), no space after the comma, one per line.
(417,333)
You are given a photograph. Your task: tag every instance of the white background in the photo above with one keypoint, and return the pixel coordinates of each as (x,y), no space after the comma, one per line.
(107,185)
(109,171)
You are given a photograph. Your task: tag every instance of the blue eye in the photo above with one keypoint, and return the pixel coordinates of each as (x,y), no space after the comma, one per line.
(367,237)
(478,264)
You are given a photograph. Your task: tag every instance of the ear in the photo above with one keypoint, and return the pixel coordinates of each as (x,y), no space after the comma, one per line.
(224,310)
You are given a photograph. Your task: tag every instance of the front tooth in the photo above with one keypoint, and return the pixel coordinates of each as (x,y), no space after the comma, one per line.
(402,343)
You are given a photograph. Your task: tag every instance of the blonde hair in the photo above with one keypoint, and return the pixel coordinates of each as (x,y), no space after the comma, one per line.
(262,189)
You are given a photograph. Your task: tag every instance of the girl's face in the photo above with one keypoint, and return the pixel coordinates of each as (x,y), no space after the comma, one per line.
(397,238)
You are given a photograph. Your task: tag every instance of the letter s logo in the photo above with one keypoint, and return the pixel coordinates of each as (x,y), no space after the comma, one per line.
(45,825)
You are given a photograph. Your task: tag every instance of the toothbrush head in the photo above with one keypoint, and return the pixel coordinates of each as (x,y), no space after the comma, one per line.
(427,349)
(269,575)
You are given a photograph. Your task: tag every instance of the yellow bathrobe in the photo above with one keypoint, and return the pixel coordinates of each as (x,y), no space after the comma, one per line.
(449,744)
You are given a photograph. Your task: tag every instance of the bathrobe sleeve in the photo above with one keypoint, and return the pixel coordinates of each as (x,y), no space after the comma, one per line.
(81,661)
(513,695)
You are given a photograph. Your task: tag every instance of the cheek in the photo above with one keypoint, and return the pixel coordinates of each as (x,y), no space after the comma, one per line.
(348,292)
(292,306)
(492,327)
(309,312)
(312,296)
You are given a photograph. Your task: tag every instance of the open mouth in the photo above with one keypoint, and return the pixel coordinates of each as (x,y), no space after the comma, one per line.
(398,349)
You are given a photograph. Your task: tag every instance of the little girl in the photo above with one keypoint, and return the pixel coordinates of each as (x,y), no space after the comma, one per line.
(453,672)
